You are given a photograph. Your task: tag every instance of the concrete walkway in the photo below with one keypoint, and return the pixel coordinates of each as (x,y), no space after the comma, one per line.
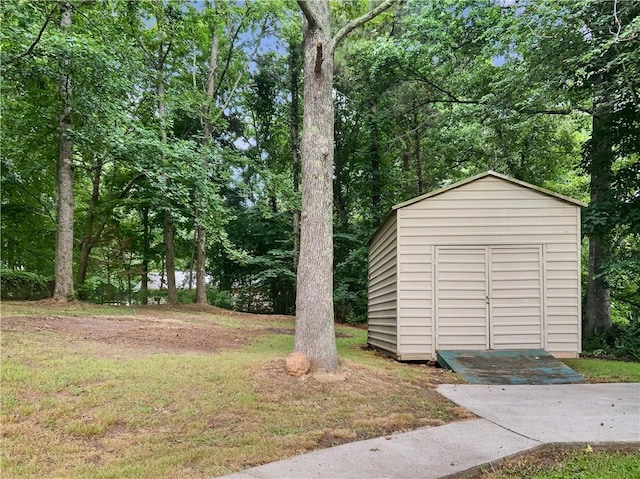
(513,419)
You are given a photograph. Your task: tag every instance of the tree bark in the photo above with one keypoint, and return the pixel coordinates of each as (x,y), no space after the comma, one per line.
(314,335)
(597,315)
(64,238)
(201,259)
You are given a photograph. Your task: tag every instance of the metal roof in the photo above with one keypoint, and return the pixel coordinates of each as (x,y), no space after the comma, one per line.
(495,175)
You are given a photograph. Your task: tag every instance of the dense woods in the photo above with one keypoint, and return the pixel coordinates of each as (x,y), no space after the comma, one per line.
(163,136)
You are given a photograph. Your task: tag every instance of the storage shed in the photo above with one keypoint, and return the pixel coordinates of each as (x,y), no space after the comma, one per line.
(487,263)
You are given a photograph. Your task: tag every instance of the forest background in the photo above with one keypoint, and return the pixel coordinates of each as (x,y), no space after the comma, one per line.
(155,136)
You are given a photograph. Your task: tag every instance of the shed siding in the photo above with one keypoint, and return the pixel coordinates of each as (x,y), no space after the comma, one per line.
(562,285)
(488,211)
(415,302)
(382,287)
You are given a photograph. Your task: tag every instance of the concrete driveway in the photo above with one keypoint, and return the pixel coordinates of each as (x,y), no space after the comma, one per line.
(589,413)
(513,419)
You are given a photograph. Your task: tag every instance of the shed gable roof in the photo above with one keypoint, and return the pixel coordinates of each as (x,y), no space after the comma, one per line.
(494,174)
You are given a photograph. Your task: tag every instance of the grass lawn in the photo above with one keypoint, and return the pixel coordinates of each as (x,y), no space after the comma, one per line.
(148,392)
(601,371)
(191,392)
(557,464)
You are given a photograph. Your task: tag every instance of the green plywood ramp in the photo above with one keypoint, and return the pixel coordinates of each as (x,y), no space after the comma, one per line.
(513,366)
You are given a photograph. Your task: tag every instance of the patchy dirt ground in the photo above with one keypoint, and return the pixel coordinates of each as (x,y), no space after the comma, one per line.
(151,329)
(209,417)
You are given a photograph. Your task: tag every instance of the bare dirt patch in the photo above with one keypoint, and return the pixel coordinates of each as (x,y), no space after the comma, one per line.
(154,330)
(69,411)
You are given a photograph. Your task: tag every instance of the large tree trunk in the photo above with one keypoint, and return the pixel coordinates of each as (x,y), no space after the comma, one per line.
(201,260)
(314,335)
(64,237)
(597,315)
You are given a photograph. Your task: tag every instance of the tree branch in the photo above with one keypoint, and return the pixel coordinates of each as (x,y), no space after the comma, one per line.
(452,98)
(524,111)
(249,60)
(150,58)
(424,79)
(130,184)
(353,24)
(232,43)
(35,42)
(45,208)
(308,13)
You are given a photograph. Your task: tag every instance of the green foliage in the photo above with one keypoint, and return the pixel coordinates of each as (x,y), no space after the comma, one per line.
(261,279)
(350,288)
(215,297)
(428,94)
(23,285)
(621,341)
(102,290)
(221,299)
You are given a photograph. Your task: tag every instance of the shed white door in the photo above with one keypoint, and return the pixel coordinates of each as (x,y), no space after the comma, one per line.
(489,297)
(461,298)
(515,297)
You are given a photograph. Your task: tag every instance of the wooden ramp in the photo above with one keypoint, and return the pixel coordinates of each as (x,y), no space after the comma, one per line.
(514,366)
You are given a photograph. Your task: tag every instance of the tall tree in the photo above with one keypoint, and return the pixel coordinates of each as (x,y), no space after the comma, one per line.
(612,152)
(582,56)
(64,237)
(315,334)
(207,136)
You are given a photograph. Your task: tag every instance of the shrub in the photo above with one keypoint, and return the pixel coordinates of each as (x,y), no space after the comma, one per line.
(349,307)
(97,290)
(186,296)
(215,297)
(621,341)
(221,299)
(22,285)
